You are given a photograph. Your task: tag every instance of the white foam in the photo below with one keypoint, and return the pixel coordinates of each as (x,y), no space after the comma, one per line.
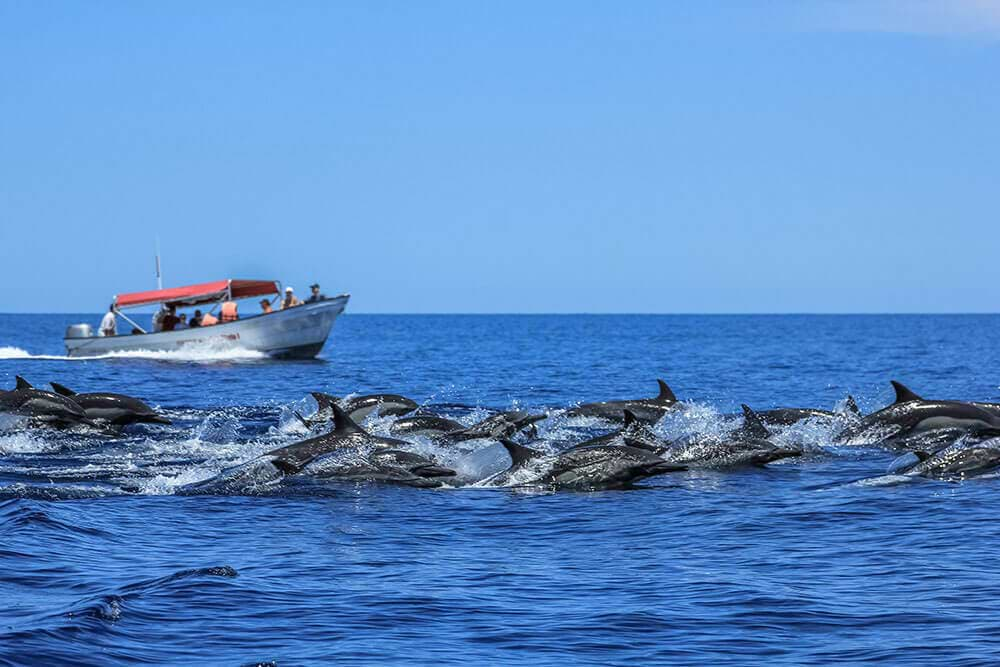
(24,443)
(189,354)
(696,419)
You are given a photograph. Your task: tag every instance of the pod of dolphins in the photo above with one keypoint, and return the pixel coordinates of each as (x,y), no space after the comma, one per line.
(63,408)
(940,439)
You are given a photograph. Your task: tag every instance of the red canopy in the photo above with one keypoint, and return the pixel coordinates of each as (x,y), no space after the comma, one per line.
(193,295)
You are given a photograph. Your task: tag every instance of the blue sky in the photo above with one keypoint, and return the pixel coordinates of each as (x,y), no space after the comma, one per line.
(507,157)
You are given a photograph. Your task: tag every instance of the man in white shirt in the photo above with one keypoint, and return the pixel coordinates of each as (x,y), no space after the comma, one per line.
(109,325)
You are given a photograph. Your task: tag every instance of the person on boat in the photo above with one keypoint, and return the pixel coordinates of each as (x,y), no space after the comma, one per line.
(109,325)
(195,319)
(228,313)
(182,322)
(170,320)
(315,296)
(208,319)
(158,318)
(265,306)
(290,299)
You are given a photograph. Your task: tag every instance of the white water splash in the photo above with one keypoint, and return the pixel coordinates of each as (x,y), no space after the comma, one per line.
(189,354)
(696,419)
(24,443)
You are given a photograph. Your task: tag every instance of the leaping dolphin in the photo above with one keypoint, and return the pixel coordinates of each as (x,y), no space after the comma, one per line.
(426,425)
(359,407)
(911,413)
(390,466)
(748,445)
(587,469)
(645,409)
(501,425)
(634,433)
(116,409)
(270,468)
(789,416)
(956,462)
(41,406)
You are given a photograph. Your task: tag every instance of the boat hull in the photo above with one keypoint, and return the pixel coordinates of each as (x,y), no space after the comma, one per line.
(295,333)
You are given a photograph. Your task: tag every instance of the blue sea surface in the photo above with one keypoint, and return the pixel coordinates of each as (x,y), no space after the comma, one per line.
(794,563)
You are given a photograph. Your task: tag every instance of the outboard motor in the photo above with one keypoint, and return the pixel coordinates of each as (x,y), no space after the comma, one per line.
(79,331)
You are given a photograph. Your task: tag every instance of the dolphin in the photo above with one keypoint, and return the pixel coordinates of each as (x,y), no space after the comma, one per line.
(929,440)
(634,433)
(587,469)
(747,445)
(910,413)
(789,416)
(270,468)
(359,407)
(646,409)
(116,409)
(42,407)
(427,425)
(500,425)
(956,462)
(391,466)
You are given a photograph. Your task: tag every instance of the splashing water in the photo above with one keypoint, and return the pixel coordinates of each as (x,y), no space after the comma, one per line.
(208,353)
(375,574)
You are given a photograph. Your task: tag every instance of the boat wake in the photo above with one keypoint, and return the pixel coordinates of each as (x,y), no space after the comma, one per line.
(190,354)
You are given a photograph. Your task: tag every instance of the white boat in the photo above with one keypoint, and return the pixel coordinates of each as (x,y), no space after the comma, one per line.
(294,333)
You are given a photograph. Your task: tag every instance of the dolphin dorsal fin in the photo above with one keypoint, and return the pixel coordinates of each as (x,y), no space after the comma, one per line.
(324,401)
(753,426)
(630,418)
(851,407)
(666,393)
(904,393)
(342,422)
(62,389)
(519,454)
(22,383)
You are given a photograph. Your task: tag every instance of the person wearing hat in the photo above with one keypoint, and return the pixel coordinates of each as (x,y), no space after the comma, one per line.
(290,299)
(315,296)
(265,306)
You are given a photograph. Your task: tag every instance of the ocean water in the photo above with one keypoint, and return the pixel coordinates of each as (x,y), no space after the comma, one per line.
(796,563)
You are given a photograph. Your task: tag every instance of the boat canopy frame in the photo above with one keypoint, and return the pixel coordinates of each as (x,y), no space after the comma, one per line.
(195,295)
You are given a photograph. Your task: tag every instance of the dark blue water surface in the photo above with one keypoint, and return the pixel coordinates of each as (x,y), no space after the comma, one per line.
(789,564)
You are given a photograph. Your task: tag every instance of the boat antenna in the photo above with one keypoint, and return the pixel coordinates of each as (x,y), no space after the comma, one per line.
(159,276)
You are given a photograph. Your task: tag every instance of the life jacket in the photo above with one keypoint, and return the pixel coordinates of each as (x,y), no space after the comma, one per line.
(208,319)
(228,312)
